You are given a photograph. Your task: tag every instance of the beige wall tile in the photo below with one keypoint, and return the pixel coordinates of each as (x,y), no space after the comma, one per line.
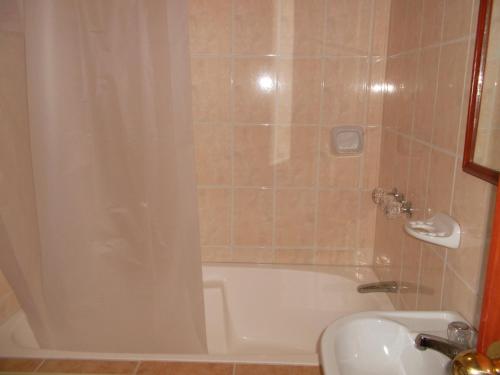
(378,87)
(210,26)
(294,256)
(254,90)
(348,27)
(426,93)
(434,164)
(367,218)
(371,157)
(401,164)
(419,177)
(413,24)
(338,217)
(253,255)
(399,104)
(472,203)
(388,248)
(411,254)
(457,19)
(301,30)
(440,182)
(345,93)
(457,296)
(339,258)
(295,155)
(213,154)
(215,214)
(381,24)
(295,217)
(253,217)
(387,159)
(211,89)
(299,91)
(255,26)
(431,278)
(239,89)
(397,18)
(453,59)
(253,156)
(433,11)
(407,86)
(216,254)
(405,26)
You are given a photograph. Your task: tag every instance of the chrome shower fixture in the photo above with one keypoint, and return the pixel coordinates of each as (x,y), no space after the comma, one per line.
(393,202)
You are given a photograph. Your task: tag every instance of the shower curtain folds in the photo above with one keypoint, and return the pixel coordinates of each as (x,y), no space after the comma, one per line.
(117,246)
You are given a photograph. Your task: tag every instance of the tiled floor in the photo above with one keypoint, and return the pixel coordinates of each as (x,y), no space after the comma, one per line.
(49,366)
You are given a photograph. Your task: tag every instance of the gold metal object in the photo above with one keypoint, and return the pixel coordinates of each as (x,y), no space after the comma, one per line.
(494,350)
(473,363)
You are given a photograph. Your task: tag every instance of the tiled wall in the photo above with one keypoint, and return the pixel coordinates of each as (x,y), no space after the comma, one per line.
(270,79)
(425,108)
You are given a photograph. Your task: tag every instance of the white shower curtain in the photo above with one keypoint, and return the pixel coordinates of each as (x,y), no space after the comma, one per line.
(116,264)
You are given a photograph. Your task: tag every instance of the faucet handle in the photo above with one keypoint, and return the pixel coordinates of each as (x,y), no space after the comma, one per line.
(460,333)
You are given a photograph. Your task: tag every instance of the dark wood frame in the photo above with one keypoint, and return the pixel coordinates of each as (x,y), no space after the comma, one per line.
(483,29)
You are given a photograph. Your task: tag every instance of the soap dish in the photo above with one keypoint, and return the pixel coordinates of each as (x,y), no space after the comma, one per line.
(440,229)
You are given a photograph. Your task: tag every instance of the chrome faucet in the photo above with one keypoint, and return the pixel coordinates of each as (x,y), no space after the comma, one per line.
(460,338)
(383,286)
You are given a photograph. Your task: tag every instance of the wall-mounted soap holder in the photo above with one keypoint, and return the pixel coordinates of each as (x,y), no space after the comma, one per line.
(440,229)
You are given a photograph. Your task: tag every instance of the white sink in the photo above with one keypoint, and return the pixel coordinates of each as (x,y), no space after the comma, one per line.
(373,343)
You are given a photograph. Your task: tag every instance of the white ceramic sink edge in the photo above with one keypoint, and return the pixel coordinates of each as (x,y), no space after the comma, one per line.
(378,342)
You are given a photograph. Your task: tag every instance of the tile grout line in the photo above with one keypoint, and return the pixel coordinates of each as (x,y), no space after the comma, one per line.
(325,55)
(445,259)
(268,187)
(430,46)
(432,149)
(422,142)
(37,368)
(232,134)
(320,132)
(283,124)
(290,247)
(137,367)
(362,166)
(274,133)
(412,145)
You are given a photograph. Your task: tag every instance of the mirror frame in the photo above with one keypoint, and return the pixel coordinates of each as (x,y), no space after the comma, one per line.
(478,67)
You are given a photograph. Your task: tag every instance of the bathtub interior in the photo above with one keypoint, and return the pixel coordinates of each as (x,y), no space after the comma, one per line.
(254,311)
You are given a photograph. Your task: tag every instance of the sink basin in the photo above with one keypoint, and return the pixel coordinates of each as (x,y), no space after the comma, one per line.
(372,343)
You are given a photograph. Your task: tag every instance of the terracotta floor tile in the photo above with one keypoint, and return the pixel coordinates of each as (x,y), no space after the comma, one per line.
(88,367)
(19,365)
(277,370)
(184,368)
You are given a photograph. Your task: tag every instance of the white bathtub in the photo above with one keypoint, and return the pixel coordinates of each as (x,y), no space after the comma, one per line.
(254,314)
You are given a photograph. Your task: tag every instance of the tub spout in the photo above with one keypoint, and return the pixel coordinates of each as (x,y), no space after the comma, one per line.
(383,286)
